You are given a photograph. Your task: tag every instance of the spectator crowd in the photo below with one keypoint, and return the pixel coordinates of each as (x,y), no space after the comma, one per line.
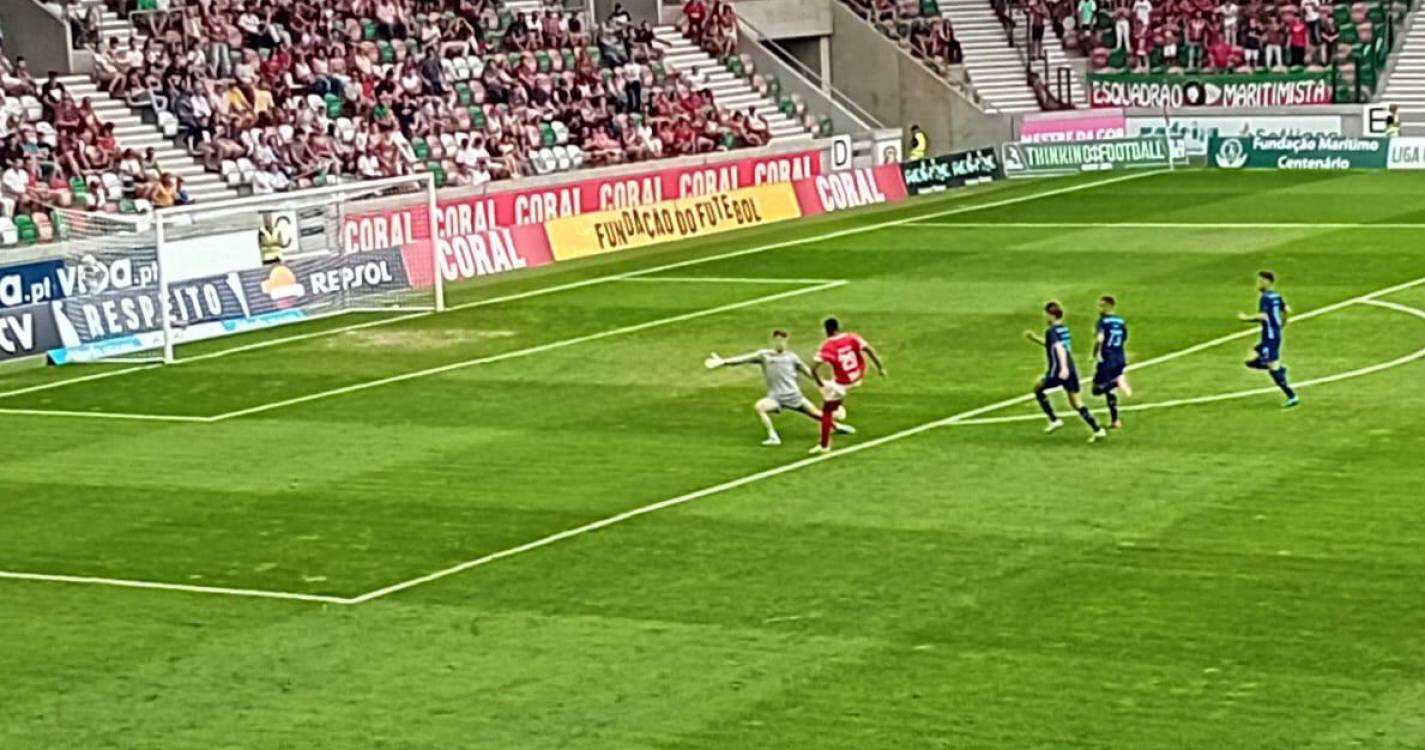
(279,94)
(56,150)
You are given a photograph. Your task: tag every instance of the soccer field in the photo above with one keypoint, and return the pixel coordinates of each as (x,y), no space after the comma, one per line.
(537,521)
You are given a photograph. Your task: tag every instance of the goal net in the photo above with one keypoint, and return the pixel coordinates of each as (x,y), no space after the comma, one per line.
(243,265)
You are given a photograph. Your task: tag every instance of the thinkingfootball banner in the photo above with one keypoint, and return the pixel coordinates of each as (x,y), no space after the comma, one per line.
(1253,90)
(1309,152)
(1038,159)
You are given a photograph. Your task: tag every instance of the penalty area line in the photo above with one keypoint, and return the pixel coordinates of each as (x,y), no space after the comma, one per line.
(160,586)
(528,351)
(104,415)
(964,417)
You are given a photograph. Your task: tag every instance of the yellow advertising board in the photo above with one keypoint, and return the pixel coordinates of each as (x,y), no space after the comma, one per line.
(621,229)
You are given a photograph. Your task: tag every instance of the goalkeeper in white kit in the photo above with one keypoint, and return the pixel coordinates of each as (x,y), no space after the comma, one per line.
(781,369)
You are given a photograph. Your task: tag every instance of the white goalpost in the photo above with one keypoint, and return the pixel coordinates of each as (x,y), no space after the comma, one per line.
(139,285)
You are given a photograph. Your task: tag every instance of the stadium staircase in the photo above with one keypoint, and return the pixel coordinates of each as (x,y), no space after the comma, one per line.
(728,90)
(1406,85)
(132,131)
(996,70)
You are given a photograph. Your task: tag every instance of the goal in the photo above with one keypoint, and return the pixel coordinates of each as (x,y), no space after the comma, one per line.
(136,286)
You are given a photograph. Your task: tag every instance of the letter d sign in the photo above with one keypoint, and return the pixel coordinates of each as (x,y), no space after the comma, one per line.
(841,153)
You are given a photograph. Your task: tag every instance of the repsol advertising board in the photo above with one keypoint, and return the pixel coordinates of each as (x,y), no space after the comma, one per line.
(55,279)
(1261,91)
(1037,159)
(951,171)
(119,322)
(1311,152)
(320,282)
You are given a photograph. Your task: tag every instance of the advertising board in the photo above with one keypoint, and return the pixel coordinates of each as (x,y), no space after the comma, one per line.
(1254,90)
(465,216)
(1308,152)
(607,231)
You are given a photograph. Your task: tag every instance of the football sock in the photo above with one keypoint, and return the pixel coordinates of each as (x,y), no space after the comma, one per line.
(1088,417)
(1112,399)
(828,421)
(1279,375)
(1043,399)
(767,422)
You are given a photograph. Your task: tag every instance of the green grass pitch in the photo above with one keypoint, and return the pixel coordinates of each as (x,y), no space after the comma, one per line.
(1221,573)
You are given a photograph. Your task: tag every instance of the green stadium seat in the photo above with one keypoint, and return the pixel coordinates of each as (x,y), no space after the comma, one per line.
(368,30)
(421,148)
(774,87)
(541,58)
(25,227)
(546,135)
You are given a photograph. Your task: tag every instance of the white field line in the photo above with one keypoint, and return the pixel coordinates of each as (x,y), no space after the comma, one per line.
(1158,225)
(1197,400)
(954,419)
(615,277)
(970,417)
(103,415)
(722,280)
(403,377)
(158,586)
(80,379)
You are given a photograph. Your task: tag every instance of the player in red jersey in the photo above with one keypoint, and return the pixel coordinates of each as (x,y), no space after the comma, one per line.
(845,354)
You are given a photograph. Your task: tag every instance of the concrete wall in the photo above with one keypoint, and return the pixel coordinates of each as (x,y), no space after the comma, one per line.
(843,118)
(37,35)
(899,91)
(779,19)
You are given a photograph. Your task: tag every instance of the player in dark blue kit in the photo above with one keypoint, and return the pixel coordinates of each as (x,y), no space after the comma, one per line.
(1112,359)
(1061,373)
(1272,313)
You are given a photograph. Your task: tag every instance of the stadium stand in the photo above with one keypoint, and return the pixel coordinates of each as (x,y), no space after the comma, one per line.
(967,33)
(271,95)
(1406,85)
(1222,36)
(1197,36)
